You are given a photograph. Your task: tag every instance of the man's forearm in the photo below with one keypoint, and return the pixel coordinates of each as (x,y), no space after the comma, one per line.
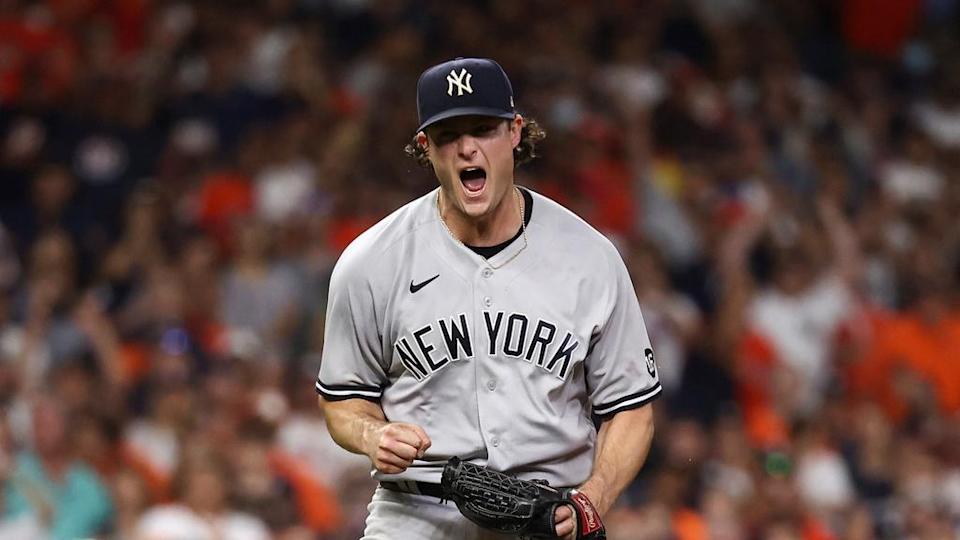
(353,422)
(622,446)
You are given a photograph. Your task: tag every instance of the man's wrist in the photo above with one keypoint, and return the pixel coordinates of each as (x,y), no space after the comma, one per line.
(595,494)
(371,430)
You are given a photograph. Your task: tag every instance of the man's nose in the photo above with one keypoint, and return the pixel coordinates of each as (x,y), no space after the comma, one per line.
(466,146)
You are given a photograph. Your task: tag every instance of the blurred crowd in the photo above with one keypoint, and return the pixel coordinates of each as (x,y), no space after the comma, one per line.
(177,178)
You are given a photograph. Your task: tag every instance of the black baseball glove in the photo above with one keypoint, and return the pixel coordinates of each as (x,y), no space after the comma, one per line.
(509,505)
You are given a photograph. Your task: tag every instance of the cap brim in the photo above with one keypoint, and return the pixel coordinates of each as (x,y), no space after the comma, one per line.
(466,111)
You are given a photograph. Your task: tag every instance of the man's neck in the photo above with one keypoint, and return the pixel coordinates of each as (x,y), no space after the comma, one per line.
(489,230)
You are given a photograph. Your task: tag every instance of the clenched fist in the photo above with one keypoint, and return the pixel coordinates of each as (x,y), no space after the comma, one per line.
(395,445)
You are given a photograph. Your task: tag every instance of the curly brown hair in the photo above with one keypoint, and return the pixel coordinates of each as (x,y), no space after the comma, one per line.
(530,134)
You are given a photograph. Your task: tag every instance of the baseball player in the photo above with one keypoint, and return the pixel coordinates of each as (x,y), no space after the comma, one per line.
(484,321)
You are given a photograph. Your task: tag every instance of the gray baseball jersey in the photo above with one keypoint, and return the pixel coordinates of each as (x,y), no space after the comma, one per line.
(502,367)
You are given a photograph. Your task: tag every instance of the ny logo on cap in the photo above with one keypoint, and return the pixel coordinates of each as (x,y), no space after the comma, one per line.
(462,81)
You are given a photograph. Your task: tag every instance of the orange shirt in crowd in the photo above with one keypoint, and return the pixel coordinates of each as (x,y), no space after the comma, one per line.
(224,196)
(814,529)
(689,525)
(756,361)
(318,505)
(903,346)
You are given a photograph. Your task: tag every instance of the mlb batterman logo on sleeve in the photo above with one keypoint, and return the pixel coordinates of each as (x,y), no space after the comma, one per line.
(462,87)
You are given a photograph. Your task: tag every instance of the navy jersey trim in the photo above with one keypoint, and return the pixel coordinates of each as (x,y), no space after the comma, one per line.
(594,339)
(632,401)
(339,392)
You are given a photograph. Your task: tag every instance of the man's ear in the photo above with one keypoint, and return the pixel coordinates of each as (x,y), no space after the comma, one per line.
(422,140)
(516,130)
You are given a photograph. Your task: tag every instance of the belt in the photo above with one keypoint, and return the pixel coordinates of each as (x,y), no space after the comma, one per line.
(416,488)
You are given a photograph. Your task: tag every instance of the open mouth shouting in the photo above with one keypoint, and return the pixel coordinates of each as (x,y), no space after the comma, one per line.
(473,179)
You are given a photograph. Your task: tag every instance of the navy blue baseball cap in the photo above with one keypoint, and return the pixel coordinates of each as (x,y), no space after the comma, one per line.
(462,87)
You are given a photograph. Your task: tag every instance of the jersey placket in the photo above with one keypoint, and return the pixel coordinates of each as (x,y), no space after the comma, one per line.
(489,386)
(492,385)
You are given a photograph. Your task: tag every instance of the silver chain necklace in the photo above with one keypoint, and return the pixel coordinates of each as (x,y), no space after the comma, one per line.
(523,230)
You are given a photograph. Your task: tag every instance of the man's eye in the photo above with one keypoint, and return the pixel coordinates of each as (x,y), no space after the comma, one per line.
(484,130)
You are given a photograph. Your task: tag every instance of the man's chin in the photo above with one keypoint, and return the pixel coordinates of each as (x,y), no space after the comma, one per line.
(474,204)
(476,209)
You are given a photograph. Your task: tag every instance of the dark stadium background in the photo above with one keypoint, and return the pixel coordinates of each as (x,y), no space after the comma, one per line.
(178,177)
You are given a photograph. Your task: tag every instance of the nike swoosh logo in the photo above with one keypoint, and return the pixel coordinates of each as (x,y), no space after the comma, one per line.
(414,287)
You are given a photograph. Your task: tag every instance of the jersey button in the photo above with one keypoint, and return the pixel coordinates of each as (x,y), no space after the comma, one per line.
(495,442)
(491,385)
(486,272)
(487,301)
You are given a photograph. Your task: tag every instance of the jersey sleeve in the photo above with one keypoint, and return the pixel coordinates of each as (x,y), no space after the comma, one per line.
(620,369)
(350,365)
